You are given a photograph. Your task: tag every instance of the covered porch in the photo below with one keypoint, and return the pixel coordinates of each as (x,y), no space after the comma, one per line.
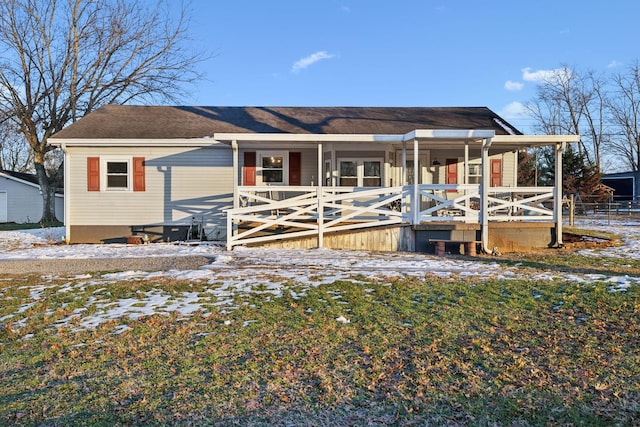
(403,197)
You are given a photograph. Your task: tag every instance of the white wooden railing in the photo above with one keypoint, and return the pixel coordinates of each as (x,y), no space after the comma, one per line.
(448,202)
(520,204)
(268,213)
(272,213)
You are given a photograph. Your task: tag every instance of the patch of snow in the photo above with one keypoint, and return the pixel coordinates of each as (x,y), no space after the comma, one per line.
(342,320)
(236,275)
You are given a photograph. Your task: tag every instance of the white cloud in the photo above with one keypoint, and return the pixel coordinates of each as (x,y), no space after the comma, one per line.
(556,74)
(537,76)
(614,64)
(307,61)
(514,86)
(514,110)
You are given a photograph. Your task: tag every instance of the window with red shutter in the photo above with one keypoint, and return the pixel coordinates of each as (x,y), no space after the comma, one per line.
(496,172)
(295,168)
(452,172)
(249,169)
(138,174)
(93,173)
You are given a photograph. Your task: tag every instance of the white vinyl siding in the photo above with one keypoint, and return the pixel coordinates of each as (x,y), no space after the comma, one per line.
(23,202)
(180,184)
(4,213)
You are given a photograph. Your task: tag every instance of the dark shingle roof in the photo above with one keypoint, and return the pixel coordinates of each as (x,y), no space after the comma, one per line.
(146,122)
(29,177)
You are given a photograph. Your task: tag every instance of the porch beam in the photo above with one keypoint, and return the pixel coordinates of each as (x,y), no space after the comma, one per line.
(557,201)
(459,134)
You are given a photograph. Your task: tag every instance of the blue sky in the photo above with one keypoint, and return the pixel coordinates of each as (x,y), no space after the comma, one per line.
(403,52)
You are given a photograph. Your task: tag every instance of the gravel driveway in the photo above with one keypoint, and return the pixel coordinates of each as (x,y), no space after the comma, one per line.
(78,266)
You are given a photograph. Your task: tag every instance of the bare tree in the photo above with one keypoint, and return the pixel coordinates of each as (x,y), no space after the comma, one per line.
(14,152)
(625,116)
(568,101)
(62,59)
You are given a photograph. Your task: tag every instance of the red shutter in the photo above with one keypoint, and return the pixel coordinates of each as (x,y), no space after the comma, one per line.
(496,173)
(249,169)
(93,173)
(138,174)
(295,168)
(452,172)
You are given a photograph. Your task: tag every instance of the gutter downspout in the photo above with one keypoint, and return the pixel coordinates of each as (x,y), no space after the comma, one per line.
(67,194)
(557,204)
(484,196)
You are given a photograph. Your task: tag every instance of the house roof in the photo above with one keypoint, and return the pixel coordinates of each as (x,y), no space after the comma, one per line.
(167,122)
(25,178)
(28,178)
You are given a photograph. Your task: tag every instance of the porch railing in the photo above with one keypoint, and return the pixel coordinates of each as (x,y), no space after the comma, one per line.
(448,202)
(273,213)
(521,203)
(269,213)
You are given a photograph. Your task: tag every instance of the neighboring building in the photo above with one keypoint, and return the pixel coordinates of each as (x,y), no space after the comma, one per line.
(257,174)
(21,199)
(626,185)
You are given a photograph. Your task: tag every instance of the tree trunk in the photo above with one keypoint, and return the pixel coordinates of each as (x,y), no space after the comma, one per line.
(48,190)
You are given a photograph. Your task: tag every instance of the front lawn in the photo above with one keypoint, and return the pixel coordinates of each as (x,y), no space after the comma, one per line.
(421,351)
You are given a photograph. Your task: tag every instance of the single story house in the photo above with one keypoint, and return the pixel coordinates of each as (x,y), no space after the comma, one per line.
(21,198)
(381,178)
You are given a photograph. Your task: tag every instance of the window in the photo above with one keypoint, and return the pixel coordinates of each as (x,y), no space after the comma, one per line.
(372,177)
(117,175)
(273,168)
(348,174)
(360,173)
(475,173)
(327,173)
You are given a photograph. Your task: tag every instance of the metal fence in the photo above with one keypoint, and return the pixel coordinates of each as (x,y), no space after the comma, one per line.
(582,208)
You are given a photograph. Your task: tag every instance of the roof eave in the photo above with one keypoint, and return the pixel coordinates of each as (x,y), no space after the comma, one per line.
(133,142)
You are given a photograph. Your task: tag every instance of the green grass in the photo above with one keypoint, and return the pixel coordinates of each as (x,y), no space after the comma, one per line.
(418,351)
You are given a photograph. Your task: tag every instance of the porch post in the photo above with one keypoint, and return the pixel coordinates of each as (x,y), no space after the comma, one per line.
(334,167)
(466,162)
(484,195)
(319,195)
(557,200)
(231,227)
(415,202)
(403,179)
(234,148)
(466,171)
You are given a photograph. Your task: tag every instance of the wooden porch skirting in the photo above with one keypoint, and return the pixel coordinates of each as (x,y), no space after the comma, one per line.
(504,236)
